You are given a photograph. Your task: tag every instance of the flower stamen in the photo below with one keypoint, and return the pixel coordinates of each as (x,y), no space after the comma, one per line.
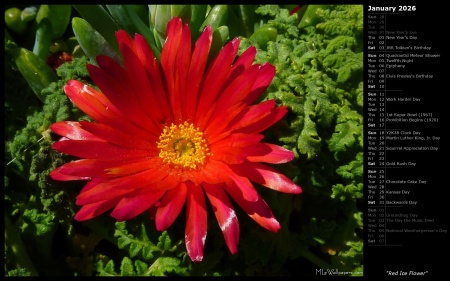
(183,146)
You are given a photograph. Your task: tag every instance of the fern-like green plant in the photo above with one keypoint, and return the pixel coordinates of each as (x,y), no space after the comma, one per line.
(145,258)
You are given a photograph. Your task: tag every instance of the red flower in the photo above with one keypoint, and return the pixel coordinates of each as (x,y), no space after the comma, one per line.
(57,59)
(172,132)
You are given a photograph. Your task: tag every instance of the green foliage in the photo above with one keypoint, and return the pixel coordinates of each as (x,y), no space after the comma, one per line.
(160,267)
(342,20)
(135,245)
(36,224)
(319,78)
(18,272)
(38,204)
(30,149)
(352,175)
(144,258)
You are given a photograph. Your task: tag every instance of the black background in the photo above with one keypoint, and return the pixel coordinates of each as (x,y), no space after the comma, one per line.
(418,252)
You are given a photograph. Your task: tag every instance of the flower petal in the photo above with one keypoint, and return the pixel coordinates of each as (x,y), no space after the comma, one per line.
(141,88)
(266,176)
(257,210)
(170,206)
(92,168)
(90,211)
(99,108)
(243,62)
(232,149)
(252,114)
(98,150)
(196,222)
(100,192)
(123,38)
(73,131)
(269,153)
(85,90)
(208,174)
(88,168)
(169,63)
(179,94)
(245,186)
(237,89)
(225,214)
(92,183)
(214,80)
(56,175)
(152,68)
(115,136)
(91,102)
(196,71)
(265,76)
(235,140)
(264,123)
(230,100)
(124,185)
(113,80)
(174,32)
(135,203)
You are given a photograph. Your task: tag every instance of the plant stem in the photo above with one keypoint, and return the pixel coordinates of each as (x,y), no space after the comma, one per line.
(315,259)
(13,240)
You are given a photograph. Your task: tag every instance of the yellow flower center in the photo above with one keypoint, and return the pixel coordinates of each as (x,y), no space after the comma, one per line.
(183,145)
